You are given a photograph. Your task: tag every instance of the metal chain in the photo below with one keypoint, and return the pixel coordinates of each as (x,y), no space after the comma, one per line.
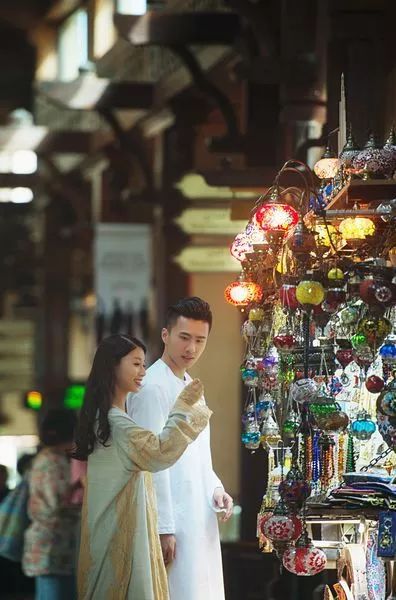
(376,460)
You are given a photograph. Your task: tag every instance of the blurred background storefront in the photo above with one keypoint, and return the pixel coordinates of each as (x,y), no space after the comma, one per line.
(134,138)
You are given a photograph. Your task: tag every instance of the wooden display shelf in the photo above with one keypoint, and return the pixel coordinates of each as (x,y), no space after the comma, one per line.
(328,513)
(368,194)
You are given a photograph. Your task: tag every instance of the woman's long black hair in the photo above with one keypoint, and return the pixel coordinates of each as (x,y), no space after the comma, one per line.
(93,426)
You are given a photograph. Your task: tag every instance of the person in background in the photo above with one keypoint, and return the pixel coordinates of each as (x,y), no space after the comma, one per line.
(50,540)
(4,489)
(14,584)
(189,493)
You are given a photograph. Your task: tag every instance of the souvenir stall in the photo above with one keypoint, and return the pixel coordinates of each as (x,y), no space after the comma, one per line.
(317,291)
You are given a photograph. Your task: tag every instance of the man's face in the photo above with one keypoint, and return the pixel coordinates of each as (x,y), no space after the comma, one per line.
(185,342)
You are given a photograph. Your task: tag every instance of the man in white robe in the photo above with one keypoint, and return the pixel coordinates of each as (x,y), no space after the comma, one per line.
(189,494)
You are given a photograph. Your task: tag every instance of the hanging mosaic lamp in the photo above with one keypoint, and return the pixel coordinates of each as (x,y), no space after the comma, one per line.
(354,229)
(349,151)
(282,527)
(240,246)
(304,559)
(375,329)
(326,235)
(310,293)
(294,489)
(327,166)
(292,424)
(301,241)
(270,433)
(374,160)
(254,233)
(241,292)
(376,291)
(304,390)
(363,427)
(276,217)
(284,340)
(386,401)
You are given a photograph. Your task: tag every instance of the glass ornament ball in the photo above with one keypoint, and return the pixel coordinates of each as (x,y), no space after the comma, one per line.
(310,293)
(274,217)
(304,390)
(375,384)
(304,560)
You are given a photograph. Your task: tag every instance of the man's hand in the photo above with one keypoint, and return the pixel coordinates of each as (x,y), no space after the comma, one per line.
(223,500)
(168,545)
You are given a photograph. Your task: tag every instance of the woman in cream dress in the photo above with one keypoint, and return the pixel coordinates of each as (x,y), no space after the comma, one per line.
(120,552)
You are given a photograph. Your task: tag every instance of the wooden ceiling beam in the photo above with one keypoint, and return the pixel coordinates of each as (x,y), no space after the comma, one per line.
(89,92)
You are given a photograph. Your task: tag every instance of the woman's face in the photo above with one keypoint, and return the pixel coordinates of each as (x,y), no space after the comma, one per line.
(130,371)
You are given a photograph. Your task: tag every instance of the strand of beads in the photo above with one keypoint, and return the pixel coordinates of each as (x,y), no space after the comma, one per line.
(341,457)
(328,467)
(350,458)
(308,457)
(316,466)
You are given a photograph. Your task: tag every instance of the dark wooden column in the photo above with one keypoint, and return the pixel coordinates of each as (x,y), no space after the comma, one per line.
(54,323)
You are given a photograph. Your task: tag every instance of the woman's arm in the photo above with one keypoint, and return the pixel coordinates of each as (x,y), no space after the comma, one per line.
(150,452)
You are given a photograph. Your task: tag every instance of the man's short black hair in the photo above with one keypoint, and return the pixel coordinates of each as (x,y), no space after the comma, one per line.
(190,308)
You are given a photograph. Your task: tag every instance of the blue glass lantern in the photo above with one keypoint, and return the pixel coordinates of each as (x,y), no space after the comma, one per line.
(363,428)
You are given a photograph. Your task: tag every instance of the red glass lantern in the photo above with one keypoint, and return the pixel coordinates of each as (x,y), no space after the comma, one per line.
(304,559)
(287,294)
(281,527)
(241,293)
(274,217)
